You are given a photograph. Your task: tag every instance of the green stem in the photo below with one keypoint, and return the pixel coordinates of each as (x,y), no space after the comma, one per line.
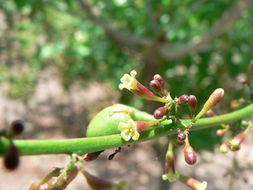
(93,144)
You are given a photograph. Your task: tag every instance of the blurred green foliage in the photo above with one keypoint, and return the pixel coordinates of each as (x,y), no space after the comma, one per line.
(42,33)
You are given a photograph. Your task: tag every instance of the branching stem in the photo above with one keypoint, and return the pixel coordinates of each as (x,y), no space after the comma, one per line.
(93,144)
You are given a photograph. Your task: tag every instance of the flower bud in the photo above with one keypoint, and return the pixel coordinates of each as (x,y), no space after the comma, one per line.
(160,80)
(192,104)
(156,86)
(224,148)
(193,183)
(190,155)
(181,136)
(183,99)
(160,112)
(17,127)
(213,99)
(237,140)
(210,113)
(11,157)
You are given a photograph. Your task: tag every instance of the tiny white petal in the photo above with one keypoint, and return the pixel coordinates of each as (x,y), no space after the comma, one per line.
(125,137)
(133,73)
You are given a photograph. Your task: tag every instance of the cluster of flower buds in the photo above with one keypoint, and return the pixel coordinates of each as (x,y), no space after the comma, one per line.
(234,143)
(11,156)
(158,85)
(190,100)
(173,175)
(129,82)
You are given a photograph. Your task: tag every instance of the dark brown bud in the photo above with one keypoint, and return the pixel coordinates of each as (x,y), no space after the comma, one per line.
(190,155)
(181,136)
(160,112)
(11,157)
(17,127)
(183,99)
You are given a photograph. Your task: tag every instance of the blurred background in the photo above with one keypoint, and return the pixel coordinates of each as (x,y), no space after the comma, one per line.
(61,61)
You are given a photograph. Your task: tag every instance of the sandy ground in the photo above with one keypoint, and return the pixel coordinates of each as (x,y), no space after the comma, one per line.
(53,113)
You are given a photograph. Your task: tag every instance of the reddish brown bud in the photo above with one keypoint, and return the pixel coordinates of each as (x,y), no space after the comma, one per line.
(156,86)
(142,125)
(11,157)
(17,127)
(181,136)
(210,113)
(183,99)
(190,155)
(192,104)
(160,112)
(160,80)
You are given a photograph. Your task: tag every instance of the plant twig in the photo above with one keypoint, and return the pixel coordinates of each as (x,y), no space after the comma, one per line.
(93,144)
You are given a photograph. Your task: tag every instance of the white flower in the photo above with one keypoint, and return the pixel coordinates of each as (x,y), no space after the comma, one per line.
(128,81)
(128,130)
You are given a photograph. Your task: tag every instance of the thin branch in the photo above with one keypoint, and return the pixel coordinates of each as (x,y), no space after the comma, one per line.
(93,144)
(223,24)
(167,51)
(121,38)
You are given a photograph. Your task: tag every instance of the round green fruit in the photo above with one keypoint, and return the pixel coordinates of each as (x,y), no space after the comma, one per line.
(107,120)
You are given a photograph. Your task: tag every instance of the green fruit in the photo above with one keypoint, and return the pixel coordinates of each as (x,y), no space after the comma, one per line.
(106,121)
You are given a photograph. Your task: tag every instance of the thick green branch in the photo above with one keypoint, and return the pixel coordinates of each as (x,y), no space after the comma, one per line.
(92,144)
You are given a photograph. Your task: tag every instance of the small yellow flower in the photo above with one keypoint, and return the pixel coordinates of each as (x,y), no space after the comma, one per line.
(128,130)
(128,81)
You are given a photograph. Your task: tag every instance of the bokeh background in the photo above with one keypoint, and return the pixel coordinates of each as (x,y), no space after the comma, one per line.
(61,61)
